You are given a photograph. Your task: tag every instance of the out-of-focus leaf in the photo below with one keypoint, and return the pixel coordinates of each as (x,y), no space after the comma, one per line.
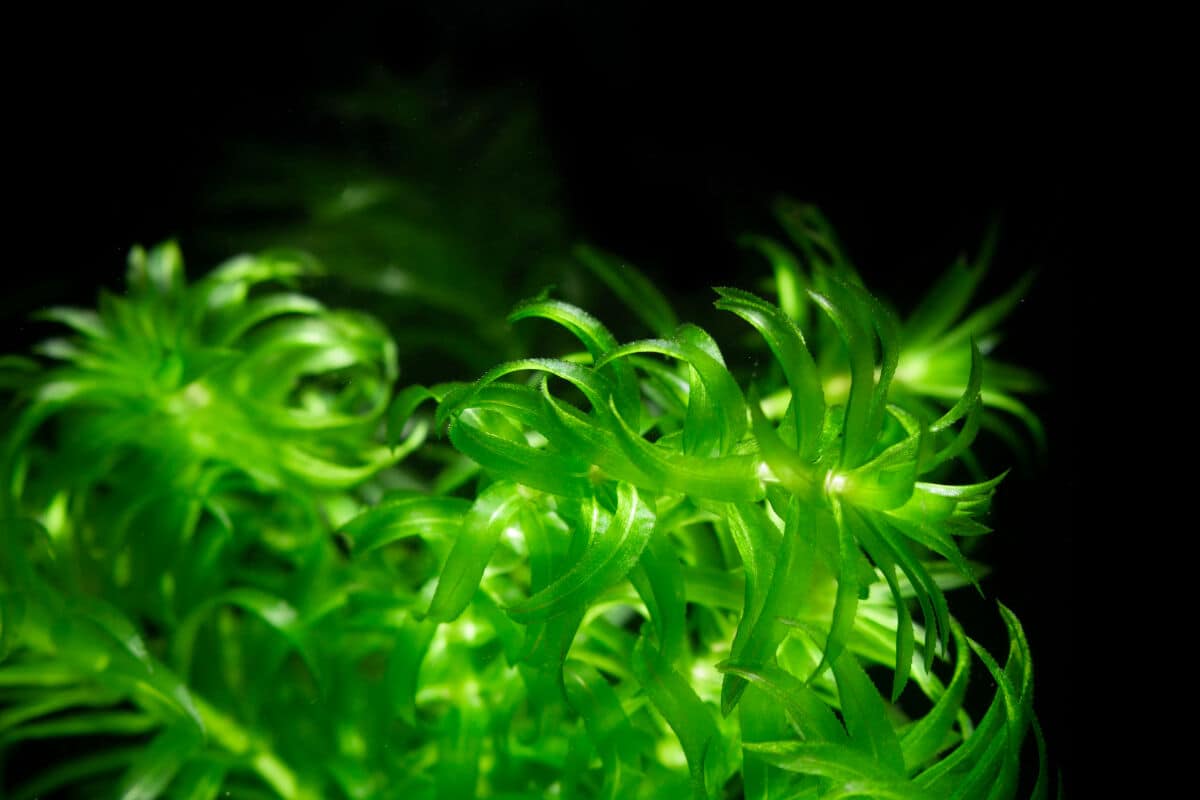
(608,727)
(659,580)
(942,304)
(789,279)
(688,717)
(985,319)
(634,289)
(157,764)
(459,745)
(811,232)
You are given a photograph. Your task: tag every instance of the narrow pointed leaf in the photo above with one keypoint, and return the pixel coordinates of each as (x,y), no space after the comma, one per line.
(491,513)
(943,303)
(787,343)
(845,604)
(729,478)
(811,716)
(790,282)
(634,289)
(865,713)
(685,713)
(426,517)
(598,341)
(930,734)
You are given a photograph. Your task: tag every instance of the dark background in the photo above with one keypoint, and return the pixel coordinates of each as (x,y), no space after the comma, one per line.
(668,141)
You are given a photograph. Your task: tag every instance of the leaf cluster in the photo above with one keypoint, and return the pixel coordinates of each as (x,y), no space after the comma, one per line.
(237,561)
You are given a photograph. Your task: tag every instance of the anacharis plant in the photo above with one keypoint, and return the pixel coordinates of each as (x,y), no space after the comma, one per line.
(235,562)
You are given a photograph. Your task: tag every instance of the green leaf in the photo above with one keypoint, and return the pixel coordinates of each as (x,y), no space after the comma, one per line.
(789,278)
(544,470)
(988,756)
(276,612)
(81,320)
(716,418)
(880,553)
(811,232)
(157,764)
(1015,684)
(852,773)
(930,735)
(616,543)
(491,513)
(939,541)
(806,711)
(402,408)
(757,540)
(929,594)
(801,478)
(787,343)
(594,387)
(160,270)
(845,604)
(886,481)
(981,322)
(199,781)
(634,289)
(684,712)
(572,431)
(943,303)
(404,665)
(434,518)
(460,742)
(609,729)
(787,589)
(92,723)
(866,714)
(249,315)
(970,405)
(659,580)
(598,341)
(852,318)
(725,479)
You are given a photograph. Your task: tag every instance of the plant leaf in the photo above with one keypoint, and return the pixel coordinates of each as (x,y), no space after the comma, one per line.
(634,289)
(615,546)
(490,514)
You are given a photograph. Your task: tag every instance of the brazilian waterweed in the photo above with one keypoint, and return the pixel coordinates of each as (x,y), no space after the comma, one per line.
(237,559)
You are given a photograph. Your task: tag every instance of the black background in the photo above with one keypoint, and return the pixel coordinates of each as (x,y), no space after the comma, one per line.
(669,139)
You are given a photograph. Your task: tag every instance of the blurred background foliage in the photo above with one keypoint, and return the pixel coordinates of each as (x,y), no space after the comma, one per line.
(435,214)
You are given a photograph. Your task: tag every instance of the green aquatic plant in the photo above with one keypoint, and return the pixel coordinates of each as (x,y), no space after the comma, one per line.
(933,360)
(236,560)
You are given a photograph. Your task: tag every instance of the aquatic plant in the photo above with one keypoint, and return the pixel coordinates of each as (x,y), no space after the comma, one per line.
(236,560)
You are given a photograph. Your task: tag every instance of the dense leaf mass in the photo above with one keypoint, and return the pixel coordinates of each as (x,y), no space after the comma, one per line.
(234,559)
